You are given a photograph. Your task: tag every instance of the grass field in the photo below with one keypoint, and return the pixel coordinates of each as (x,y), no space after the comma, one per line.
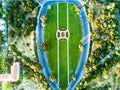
(62,15)
(50,37)
(63,63)
(75,36)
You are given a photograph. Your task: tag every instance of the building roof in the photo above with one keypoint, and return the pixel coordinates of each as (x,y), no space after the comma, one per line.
(13,76)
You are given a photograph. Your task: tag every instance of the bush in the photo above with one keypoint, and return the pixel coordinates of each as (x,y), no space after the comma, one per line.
(44,46)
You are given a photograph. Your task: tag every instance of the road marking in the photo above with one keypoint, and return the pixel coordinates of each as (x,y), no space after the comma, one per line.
(58,43)
(58,59)
(59,47)
(67,46)
(57,16)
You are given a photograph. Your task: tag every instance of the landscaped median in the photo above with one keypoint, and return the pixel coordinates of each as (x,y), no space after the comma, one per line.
(75,31)
(62,33)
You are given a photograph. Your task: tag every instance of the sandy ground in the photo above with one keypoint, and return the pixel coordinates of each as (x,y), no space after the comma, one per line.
(27,50)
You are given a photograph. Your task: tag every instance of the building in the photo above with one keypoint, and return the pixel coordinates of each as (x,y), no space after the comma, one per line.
(13,76)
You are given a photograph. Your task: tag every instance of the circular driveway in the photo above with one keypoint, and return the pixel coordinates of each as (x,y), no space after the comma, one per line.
(86,42)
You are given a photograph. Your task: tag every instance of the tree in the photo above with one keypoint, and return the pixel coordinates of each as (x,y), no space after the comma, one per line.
(14,16)
(30,25)
(81,47)
(44,46)
(6,86)
(52,78)
(1,38)
(28,5)
(3,61)
(1,10)
(12,33)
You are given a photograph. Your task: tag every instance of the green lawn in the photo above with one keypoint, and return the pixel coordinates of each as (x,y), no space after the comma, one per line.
(63,63)
(63,16)
(50,37)
(75,36)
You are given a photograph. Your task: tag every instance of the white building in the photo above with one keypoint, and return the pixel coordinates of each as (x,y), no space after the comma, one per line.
(13,76)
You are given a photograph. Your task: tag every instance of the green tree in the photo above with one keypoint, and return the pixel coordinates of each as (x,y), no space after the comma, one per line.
(44,46)
(28,5)
(52,78)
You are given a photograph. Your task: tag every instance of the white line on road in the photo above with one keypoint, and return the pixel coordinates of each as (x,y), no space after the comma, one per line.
(57,16)
(68,58)
(58,43)
(67,18)
(58,60)
(67,46)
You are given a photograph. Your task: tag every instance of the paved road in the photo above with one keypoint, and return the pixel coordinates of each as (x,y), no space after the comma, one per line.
(86,42)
